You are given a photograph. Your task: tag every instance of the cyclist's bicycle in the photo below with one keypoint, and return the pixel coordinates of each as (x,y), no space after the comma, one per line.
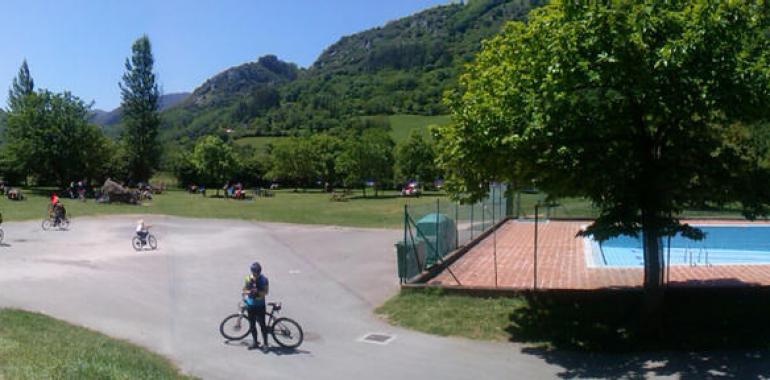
(50,222)
(285,331)
(139,244)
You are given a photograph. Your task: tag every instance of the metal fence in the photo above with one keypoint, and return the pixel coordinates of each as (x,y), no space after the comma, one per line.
(434,229)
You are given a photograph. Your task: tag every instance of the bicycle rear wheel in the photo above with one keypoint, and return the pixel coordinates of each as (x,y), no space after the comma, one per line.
(64,224)
(287,333)
(235,327)
(136,243)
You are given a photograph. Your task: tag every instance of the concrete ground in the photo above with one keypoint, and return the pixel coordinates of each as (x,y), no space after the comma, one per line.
(329,279)
(173,299)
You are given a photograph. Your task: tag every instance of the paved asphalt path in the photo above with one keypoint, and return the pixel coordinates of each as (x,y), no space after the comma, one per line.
(173,299)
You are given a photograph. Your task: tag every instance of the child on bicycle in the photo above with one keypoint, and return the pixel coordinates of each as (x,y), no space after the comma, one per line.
(142,230)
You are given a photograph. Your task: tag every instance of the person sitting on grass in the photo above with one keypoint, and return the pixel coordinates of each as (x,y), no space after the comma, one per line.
(142,230)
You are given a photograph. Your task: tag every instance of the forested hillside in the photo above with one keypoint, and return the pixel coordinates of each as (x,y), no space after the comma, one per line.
(402,67)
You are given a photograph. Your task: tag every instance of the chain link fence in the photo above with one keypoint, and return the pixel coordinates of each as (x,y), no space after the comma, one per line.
(433,230)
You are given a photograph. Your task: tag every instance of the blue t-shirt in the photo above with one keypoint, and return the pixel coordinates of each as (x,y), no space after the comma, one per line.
(254,285)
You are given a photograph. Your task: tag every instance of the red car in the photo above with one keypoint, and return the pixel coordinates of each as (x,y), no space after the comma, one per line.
(410,189)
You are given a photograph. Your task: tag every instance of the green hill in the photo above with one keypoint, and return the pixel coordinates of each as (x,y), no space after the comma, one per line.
(403,67)
(400,127)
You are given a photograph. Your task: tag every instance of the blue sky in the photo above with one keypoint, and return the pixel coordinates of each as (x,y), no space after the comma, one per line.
(81,45)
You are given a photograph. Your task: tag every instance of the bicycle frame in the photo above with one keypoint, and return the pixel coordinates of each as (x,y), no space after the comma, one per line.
(270,315)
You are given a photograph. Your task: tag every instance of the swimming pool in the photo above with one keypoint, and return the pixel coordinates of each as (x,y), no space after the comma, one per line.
(723,244)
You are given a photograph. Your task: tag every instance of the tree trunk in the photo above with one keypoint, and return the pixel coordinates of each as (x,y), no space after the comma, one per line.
(652,309)
(653,259)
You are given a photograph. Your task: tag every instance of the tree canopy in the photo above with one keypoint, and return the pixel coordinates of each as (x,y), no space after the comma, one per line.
(214,161)
(415,159)
(22,86)
(49,137)
(367,157)
(646,108)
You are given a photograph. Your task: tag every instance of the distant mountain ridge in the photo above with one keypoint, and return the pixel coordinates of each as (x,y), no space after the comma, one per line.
(111,118)
(402,67)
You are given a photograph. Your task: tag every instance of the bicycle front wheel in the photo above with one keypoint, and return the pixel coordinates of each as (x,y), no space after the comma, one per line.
(235,327)
(152,242)
(287,333)
(46,224)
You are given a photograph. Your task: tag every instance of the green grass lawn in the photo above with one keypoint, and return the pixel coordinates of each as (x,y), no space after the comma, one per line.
(400,125)
(451,315)
(691,319)
(34,346)
(311,207)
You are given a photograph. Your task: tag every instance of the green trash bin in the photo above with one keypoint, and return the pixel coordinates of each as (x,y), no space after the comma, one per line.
(441,233)
(410,258)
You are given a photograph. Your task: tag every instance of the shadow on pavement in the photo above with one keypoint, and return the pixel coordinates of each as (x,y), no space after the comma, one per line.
(700,333)
(280,351)
(682,365)
(277,350)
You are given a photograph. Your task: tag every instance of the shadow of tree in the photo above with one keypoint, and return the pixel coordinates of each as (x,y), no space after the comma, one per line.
(701,333)
(693,365)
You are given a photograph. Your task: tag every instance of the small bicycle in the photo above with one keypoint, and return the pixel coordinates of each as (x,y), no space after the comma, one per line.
(285,331)
(150,241)
(50,222)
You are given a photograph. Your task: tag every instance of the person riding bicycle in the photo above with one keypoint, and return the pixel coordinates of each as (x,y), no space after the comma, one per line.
(255,288)
(56,210)
(142,230)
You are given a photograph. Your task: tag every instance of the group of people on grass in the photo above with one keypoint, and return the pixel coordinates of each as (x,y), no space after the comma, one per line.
(234,191)
(77,190)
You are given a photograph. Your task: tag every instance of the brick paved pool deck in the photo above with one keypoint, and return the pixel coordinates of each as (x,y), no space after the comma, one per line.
(562,262)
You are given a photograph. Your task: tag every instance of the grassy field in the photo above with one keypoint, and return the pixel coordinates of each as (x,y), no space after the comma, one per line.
(34,346)
(603,321)
(447,315)
(401,125)
(311,207)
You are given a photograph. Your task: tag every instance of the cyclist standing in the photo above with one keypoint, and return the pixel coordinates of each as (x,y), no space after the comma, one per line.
(255,288)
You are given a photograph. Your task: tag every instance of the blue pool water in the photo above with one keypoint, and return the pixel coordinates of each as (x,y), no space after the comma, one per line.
(724,244)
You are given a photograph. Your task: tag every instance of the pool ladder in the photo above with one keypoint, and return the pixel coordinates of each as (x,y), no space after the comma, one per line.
(702,253)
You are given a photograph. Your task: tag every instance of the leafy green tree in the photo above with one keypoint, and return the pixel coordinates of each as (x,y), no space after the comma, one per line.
(367,157)
(50,138)
(22,86)
(214,161)
(295,159)
(251,165)
(635,105)
(139,91)
(415,159)
(328,148)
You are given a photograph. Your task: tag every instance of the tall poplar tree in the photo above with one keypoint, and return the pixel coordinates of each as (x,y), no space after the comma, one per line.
(22,86)
(140,112)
